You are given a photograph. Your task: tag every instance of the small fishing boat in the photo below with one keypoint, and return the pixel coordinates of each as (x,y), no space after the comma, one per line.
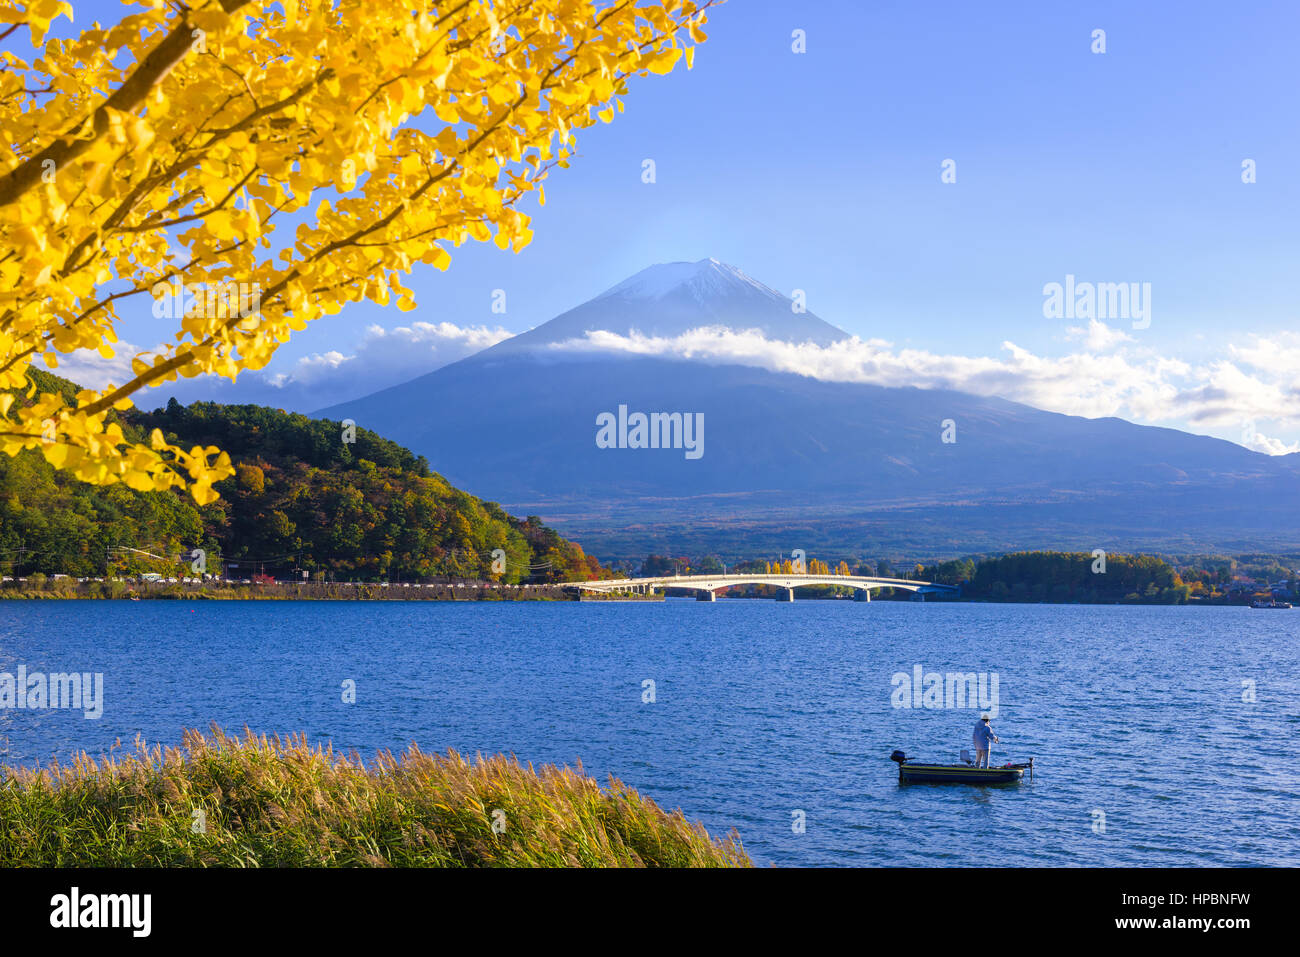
(1270,604)
(911,771)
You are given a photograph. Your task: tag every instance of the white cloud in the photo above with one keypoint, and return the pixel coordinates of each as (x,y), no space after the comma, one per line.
(1134,384)
(1097,336)
(399,354)
(89,369)
(1281,354)
(1269,446)
(310,369)
(383,358)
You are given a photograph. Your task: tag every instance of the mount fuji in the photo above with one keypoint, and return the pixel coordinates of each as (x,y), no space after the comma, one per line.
(791,461)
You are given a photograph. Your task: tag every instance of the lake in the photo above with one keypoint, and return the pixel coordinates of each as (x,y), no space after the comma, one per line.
(1148,747)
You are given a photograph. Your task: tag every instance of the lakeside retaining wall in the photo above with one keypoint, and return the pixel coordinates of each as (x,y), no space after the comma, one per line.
(288,591)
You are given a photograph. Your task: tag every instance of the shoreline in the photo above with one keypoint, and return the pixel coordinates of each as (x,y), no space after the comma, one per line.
(464,592)
(309,591)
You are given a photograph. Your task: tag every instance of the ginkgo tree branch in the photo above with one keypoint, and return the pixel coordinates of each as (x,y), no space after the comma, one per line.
(160,61)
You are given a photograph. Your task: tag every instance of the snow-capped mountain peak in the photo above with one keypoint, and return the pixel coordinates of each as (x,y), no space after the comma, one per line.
(671,299)
(702,280)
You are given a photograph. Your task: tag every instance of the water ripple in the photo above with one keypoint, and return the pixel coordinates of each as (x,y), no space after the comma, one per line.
(1135,715)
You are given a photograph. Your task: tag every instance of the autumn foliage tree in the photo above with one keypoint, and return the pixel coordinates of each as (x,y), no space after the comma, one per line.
(304,154)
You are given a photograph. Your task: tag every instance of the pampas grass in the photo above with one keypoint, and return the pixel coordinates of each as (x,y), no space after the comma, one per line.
(258,801)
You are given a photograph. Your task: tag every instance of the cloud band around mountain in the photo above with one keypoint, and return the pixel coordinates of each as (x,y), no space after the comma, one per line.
(1109,378)
(1257,385)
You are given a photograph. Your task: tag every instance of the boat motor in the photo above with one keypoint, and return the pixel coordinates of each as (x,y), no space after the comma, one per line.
(898,756)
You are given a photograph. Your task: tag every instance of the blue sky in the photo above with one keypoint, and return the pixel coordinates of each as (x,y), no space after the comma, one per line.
(821,171)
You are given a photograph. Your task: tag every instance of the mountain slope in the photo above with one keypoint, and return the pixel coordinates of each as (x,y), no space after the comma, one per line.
(787,457)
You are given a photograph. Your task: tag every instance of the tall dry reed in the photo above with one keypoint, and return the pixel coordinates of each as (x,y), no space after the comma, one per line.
(258,801)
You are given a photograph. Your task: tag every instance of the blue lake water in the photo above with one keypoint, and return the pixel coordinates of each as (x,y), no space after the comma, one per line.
(762,709)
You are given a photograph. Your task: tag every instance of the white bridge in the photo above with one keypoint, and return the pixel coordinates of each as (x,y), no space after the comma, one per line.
(707,586)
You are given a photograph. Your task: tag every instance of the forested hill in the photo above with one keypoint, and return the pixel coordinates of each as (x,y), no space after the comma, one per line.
(307,495)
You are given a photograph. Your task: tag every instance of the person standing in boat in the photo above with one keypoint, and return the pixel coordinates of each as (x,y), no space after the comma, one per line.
(982,736)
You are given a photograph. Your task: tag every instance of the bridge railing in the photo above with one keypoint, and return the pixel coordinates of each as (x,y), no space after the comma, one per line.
(763,578)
